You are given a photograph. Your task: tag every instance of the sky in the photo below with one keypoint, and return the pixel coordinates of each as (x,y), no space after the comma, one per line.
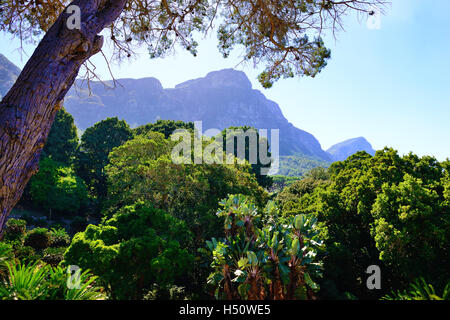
(390,85)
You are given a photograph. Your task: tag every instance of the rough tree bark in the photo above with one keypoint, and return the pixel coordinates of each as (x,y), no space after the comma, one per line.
(28,109)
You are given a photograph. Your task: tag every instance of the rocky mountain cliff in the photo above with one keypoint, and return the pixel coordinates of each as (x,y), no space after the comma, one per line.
(345,149)
(8,75)
(221,99)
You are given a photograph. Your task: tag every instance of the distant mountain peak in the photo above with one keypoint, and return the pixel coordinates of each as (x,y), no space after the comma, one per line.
(362,139)
(8,75)
(5,63)
(149,83)
(345,149)
(220,79)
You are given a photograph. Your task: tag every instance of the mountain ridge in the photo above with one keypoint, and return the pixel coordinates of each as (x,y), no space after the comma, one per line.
(342,150)
(221,99)
(8,75)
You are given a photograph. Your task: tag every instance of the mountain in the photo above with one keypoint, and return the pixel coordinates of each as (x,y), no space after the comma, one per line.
(220,99)
(343,150)
(8,75)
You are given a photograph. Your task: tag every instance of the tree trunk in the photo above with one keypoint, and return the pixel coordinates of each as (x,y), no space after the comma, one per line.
(29,108)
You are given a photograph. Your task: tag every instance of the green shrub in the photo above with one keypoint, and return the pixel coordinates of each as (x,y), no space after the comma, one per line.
(6,250)
(15,229)
(26,254)
(136,248)
(38,238)
(6,256)
(14,243)
(59,238)
(53,256)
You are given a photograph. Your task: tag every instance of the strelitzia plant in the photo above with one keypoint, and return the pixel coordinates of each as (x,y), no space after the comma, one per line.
(263,257)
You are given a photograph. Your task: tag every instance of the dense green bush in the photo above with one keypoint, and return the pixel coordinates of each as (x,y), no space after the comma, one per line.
(138,247)
(38,238)
(15,229)
(289,197)
(59,238)
(53,256)
(6,256)
(26,254)
(385,210)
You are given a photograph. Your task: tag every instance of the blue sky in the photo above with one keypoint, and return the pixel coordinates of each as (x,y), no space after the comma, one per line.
(389,85)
